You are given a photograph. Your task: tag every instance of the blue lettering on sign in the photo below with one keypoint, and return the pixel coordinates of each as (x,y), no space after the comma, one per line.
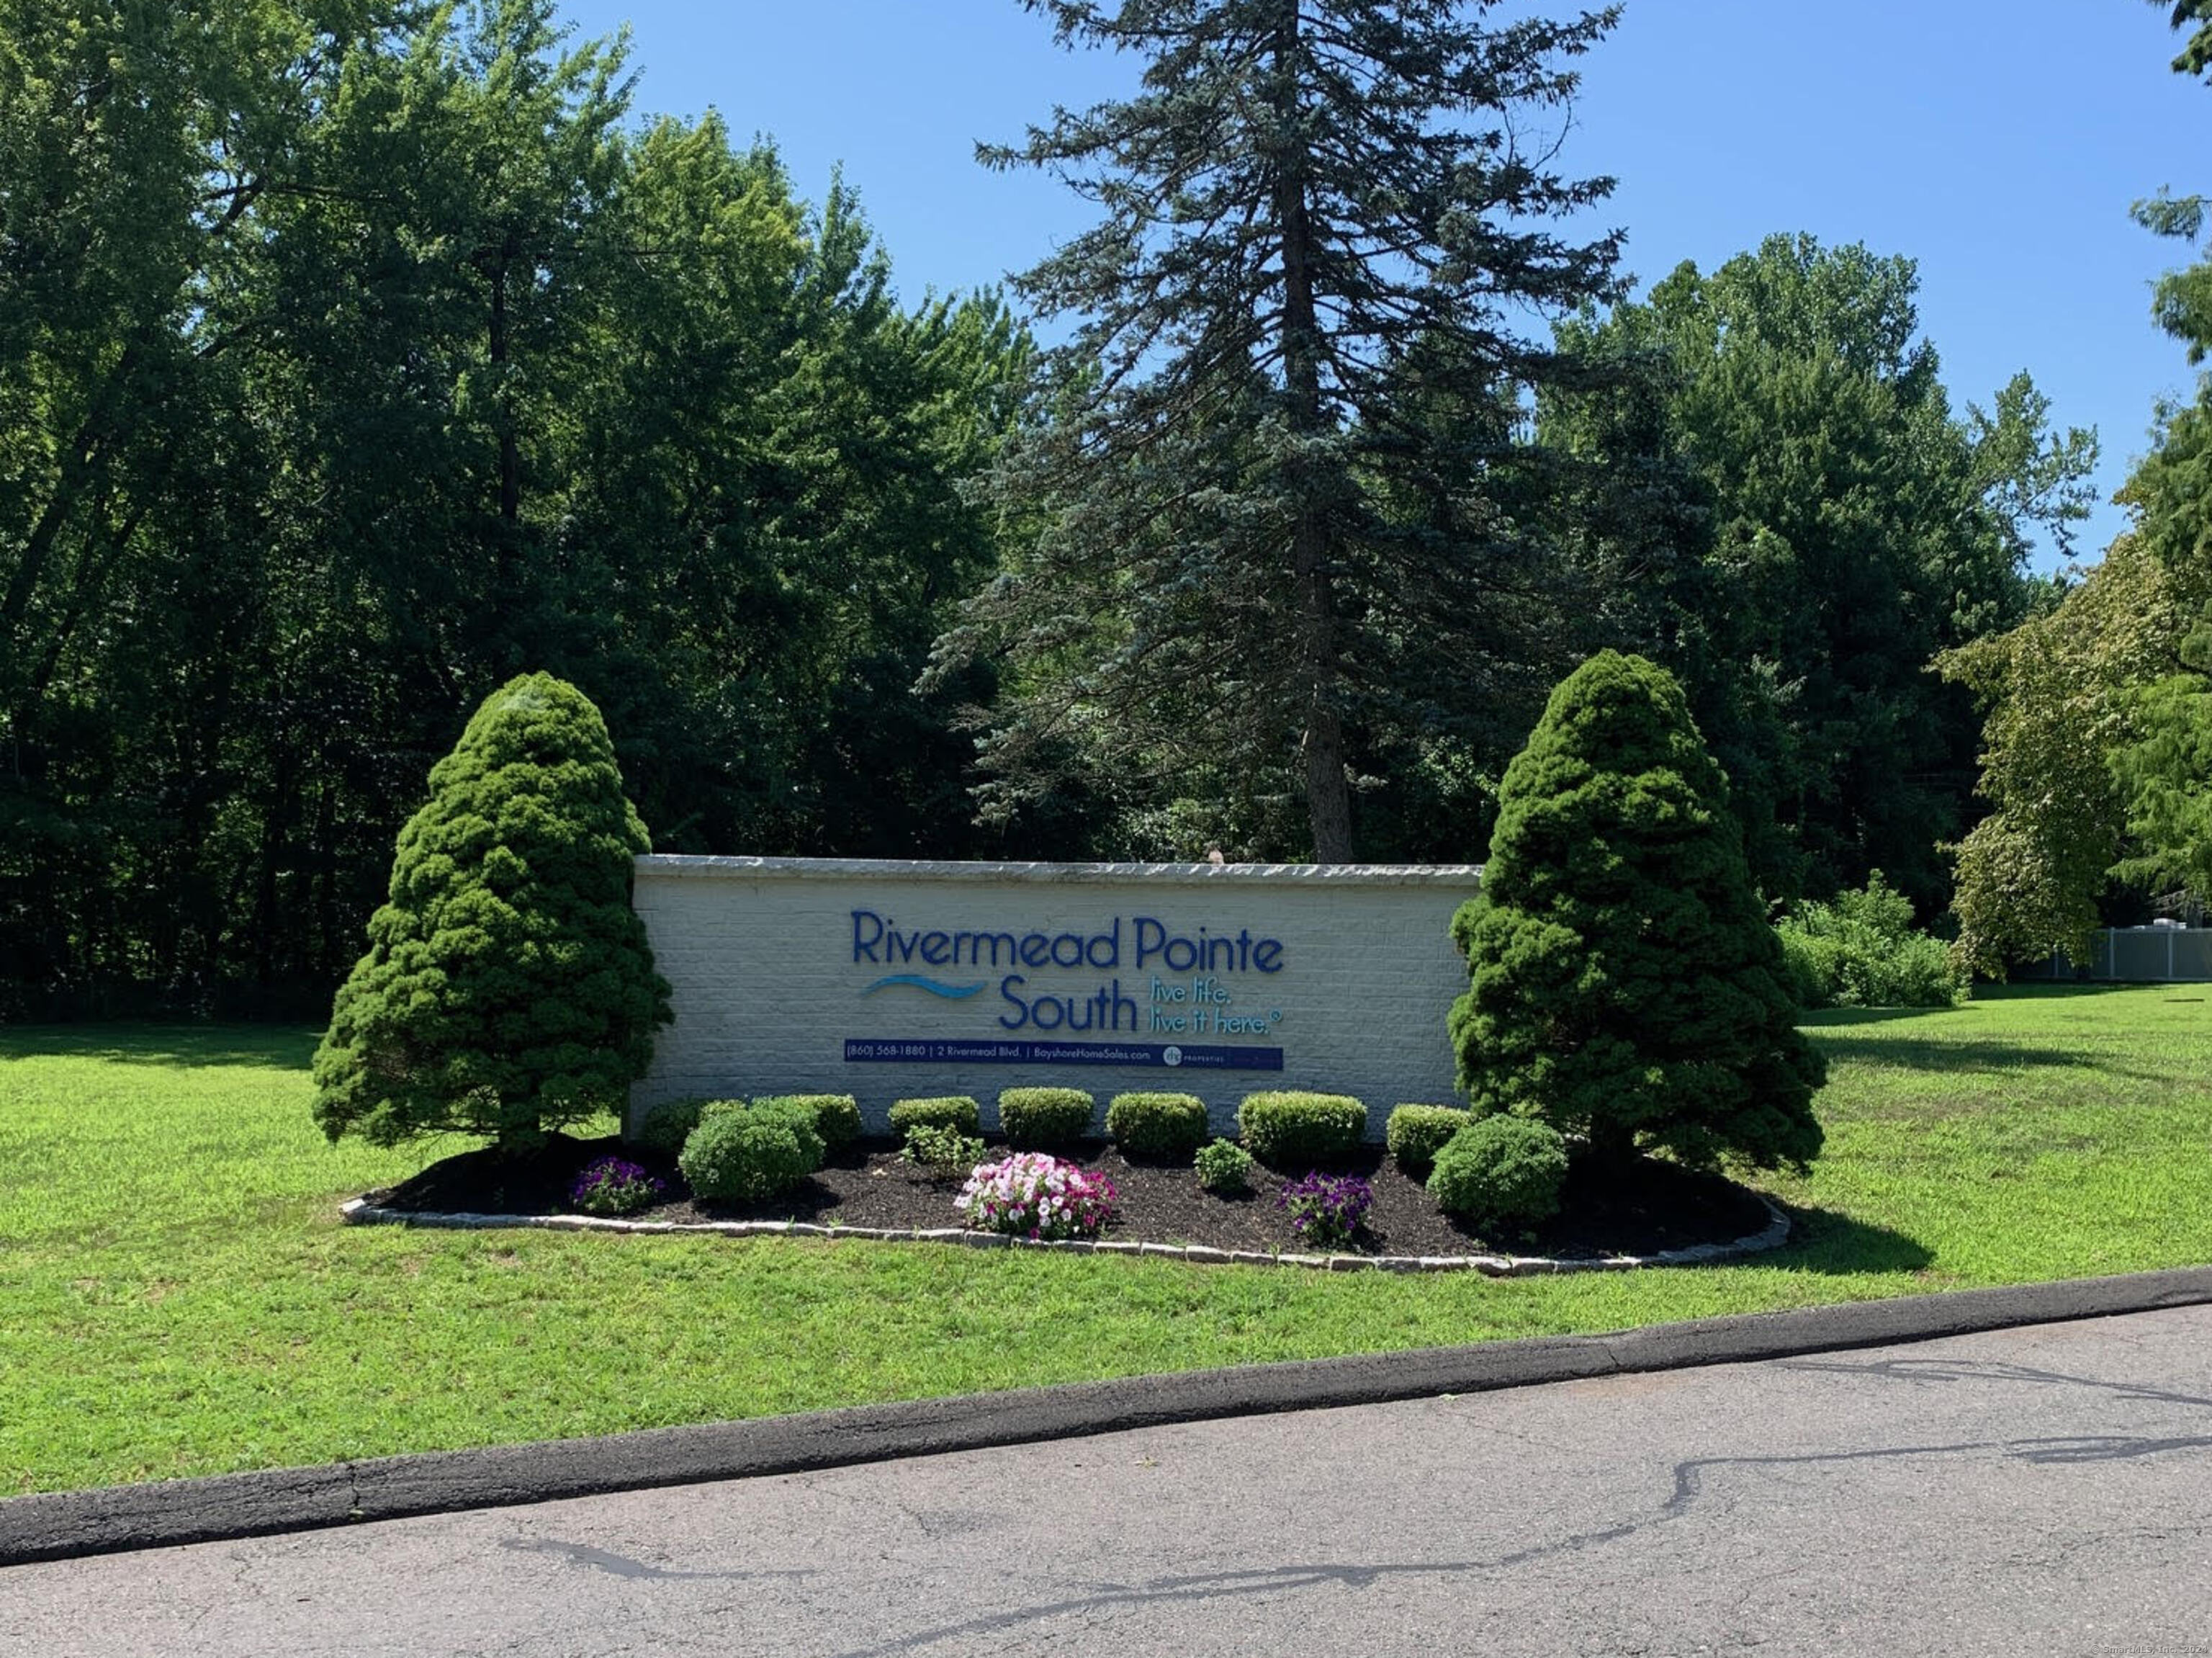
(1102,1010)
(1197,1002)
(879,940)
(956,1051)
(1206,952)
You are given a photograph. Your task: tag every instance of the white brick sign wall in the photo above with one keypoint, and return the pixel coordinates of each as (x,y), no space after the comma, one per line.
(884,979)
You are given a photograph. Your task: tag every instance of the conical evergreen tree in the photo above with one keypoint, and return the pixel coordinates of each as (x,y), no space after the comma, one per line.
(508,988)
(1623,982)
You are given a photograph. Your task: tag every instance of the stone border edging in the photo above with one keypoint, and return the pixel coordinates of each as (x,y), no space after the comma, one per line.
(60,1526)
(359,1211)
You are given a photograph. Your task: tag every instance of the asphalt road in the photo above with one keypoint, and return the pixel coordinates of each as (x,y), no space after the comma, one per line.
(2045,1490)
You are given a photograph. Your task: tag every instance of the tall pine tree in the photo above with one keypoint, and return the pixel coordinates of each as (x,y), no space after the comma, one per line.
(1276,474)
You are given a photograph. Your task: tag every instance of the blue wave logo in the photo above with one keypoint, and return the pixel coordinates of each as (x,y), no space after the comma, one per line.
(952,992)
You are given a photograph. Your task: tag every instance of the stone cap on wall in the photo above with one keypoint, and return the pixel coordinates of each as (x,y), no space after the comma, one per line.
(687,867)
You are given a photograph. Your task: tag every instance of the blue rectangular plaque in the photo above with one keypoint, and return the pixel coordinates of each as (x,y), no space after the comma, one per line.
(984,1051)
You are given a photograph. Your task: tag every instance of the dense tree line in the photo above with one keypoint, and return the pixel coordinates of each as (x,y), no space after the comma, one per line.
(1807,521)
(357,356)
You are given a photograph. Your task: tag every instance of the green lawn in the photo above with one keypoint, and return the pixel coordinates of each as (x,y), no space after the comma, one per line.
(177,1296)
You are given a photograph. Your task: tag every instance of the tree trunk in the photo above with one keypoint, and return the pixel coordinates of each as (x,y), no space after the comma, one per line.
(1612,1149)
(510,454)
(1328,797)
(81,457)
(275,829)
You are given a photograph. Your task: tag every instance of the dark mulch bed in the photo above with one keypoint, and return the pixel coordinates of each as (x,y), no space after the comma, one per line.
(1657,1206)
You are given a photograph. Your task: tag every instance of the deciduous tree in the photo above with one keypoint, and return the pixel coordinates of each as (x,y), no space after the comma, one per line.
(2098,747)
(1841,523)
(2060,697)
(355,357)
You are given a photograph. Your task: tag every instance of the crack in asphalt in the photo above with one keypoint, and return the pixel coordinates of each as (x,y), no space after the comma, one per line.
(1689,1483)
(621,1565)
(1938,1370)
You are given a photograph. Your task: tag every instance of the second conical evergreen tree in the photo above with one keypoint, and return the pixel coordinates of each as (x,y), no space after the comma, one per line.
(1624,982)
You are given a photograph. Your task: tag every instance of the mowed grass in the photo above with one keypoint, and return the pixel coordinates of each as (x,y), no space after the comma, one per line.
(177,1296)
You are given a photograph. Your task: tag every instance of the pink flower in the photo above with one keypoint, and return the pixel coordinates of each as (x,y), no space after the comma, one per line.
(1037,1195)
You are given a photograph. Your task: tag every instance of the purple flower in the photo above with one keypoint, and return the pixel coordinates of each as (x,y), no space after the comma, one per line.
(1326,1209)
(615,1185)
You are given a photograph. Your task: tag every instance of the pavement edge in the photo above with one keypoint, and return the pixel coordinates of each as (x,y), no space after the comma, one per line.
(67,1525)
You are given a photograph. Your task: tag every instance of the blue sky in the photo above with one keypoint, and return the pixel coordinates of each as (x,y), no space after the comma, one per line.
(1998,142)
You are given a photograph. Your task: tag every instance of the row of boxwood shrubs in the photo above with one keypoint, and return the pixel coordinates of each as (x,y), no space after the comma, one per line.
(1489,1170)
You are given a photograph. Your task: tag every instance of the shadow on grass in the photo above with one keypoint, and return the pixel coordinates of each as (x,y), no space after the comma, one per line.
(182,1047)
(1824,1240)
(1940,1055)
(1829,1018)
(2064,989)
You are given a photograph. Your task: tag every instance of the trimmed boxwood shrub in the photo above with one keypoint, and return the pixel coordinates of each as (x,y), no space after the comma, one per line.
(957,1112)
(668,1125)
(1289,1129)
(1416,1133)
(744,1156)
(1500,1171)
(1163,1126)
(836,1117)
(1031,1118)
(1225,1168)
